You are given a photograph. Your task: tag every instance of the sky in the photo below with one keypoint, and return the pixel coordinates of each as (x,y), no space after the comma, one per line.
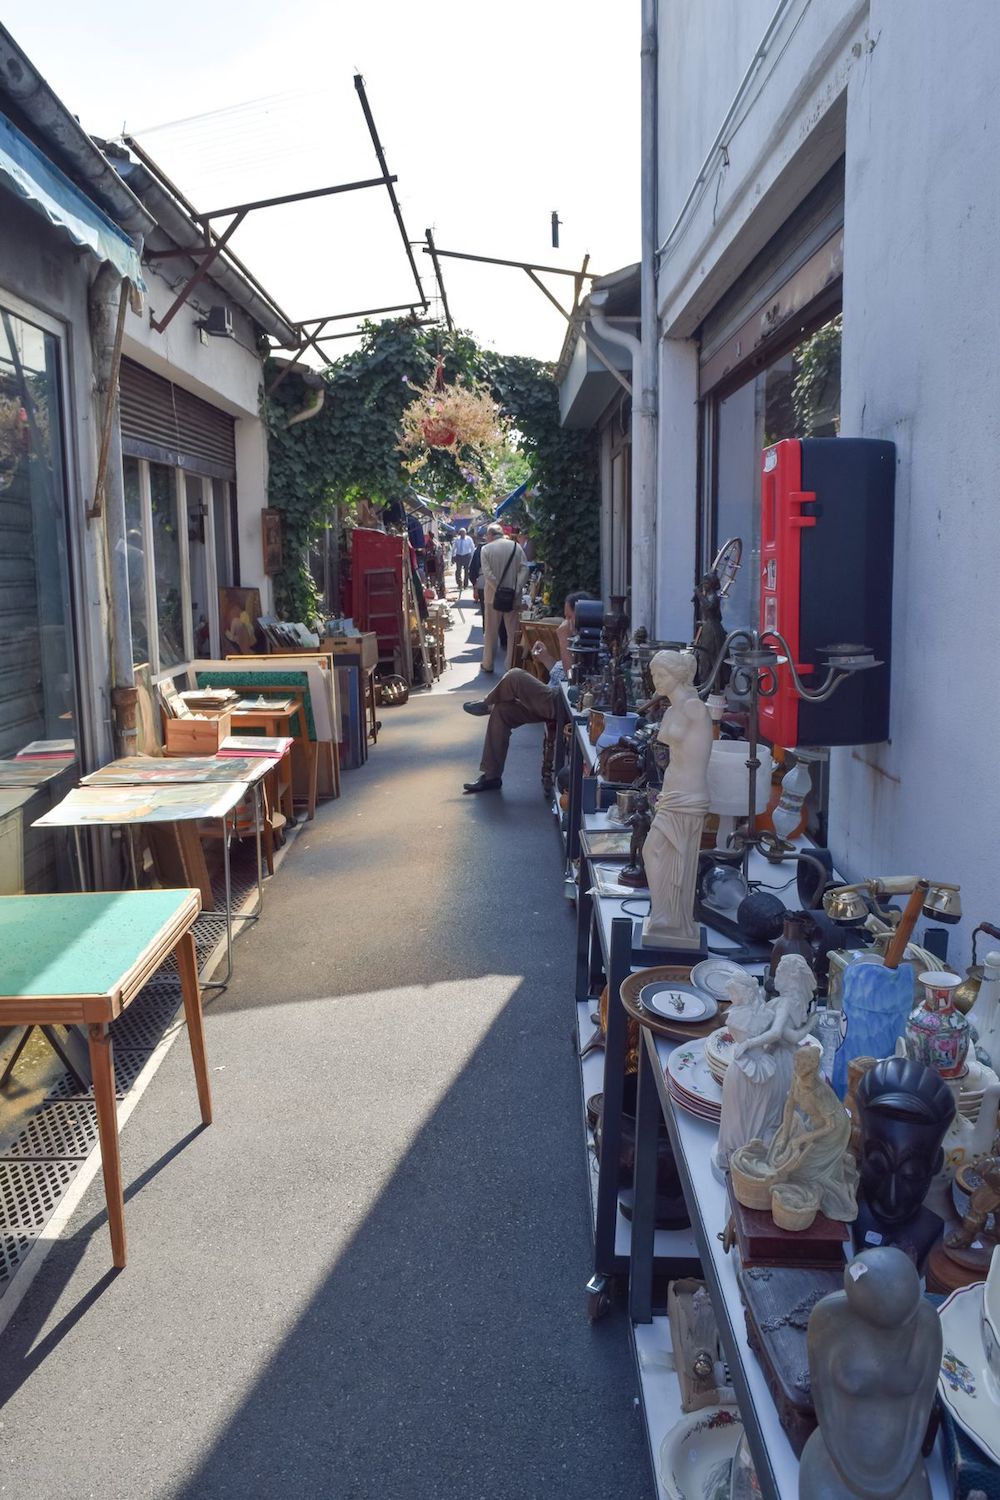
(491,117)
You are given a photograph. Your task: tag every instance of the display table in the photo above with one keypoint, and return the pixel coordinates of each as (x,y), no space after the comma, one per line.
(146,805)
(82,960)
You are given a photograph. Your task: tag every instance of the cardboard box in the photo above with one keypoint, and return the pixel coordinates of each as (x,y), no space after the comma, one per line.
(195,735)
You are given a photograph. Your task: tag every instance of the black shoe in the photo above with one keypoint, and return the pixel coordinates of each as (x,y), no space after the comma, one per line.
(478,707)
(484,784)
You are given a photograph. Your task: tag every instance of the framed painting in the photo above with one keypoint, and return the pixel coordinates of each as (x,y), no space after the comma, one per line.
(271,539)
(239,611)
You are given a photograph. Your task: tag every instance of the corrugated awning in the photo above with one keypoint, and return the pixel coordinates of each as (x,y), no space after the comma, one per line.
(26,171)
(524,491)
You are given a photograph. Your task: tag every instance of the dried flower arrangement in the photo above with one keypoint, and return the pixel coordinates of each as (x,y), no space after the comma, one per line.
(449,416)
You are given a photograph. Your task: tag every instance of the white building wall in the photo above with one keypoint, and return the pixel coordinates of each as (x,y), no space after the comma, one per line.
(919,366)
(908,90)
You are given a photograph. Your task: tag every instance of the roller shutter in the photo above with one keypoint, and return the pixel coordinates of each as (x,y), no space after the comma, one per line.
(168,425)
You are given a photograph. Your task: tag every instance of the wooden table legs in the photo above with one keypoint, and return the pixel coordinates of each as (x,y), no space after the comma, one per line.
(102,1068)
(187,963)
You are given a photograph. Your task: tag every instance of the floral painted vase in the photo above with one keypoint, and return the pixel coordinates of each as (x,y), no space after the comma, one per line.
(937,1034)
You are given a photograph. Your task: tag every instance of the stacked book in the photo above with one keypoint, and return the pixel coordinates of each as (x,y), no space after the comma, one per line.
(273,746)
(48,750)
(208,700)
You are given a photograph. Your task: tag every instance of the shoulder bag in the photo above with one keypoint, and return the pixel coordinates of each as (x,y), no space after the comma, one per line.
(503,597)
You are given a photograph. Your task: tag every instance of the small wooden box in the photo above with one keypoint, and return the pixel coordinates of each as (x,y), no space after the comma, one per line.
(761,1242)
(195,735)
(778,1303)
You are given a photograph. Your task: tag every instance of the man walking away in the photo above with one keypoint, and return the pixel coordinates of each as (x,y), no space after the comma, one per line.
(504,566)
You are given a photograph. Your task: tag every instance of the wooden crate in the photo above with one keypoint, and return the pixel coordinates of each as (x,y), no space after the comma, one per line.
(194,735)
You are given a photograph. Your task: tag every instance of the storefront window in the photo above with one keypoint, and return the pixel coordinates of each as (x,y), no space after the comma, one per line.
(39,729)
(797,396)
(197,518)
(136,551)
(167,565)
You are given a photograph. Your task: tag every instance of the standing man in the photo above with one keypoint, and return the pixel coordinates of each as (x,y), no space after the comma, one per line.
(462,549)
(504,567)
(519,698)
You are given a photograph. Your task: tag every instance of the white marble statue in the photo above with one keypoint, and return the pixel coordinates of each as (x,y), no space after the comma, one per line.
(670,853)
(766,1032)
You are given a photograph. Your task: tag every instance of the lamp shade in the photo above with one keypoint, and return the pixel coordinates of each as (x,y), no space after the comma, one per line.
(728,783)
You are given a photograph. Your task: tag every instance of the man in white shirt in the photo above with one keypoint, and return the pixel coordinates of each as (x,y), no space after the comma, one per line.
(462,549)
(503,565)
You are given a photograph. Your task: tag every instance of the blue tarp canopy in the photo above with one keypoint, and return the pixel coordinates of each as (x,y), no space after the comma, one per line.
(513,497)
(24,170)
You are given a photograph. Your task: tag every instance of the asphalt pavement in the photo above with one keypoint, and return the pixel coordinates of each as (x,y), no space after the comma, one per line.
(365,1281)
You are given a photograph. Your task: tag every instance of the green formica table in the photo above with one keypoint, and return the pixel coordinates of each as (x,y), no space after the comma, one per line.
(81,960)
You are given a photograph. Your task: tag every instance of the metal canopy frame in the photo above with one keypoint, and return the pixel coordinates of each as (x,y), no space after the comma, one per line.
(531,270)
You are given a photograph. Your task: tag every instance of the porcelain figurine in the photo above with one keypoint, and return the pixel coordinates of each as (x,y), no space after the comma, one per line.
(964,1140)
(807,1168)
(671,849)
(874,1356)
(977,1236)
(903,1110)
(767,1032)
(937,1034)
(984,1017)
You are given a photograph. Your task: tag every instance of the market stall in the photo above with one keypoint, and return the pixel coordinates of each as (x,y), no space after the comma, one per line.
(792,1124)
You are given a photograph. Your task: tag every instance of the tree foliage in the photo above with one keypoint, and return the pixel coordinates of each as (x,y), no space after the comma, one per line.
(350,450)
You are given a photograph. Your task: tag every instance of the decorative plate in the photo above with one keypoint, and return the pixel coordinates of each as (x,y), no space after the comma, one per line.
(719,1049)
(677,1002)
(964,1381)
(690,1073)
(696,1456)
(713,976)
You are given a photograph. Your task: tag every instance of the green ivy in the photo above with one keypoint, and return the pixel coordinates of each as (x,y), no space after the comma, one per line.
(349,451)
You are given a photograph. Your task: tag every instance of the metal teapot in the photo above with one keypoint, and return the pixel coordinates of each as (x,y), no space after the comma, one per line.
(965,994)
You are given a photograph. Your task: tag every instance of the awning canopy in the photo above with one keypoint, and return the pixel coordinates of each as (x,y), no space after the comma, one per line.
(24,170)
(523,491)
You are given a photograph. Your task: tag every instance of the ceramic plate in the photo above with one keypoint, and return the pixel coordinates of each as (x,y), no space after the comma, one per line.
(963,1381)
(719,1049)
(677,1002)
(696,1456)
(690,1073)
(713,976)
(711,1117)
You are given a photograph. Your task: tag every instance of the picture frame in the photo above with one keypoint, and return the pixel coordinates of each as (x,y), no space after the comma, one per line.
(272,541)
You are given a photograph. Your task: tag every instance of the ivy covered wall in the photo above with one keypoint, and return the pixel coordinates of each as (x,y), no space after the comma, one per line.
(349,451)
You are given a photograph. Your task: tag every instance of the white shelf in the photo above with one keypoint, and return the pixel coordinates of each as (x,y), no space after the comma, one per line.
(675,1244)
(659,1388)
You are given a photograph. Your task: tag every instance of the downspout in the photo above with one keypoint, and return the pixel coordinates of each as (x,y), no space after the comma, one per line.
(106,290)
(643,351)
(644,410)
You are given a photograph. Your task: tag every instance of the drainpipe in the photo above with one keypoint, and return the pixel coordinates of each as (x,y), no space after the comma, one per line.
(643,351)
(105,291)
(644,418)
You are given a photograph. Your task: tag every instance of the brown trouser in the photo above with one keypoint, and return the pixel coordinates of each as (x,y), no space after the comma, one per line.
(518,698)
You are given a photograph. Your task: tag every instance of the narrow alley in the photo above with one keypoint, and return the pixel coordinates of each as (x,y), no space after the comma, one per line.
(366,1278)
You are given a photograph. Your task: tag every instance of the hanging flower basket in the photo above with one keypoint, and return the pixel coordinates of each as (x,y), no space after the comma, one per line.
(438,432)
(455,417)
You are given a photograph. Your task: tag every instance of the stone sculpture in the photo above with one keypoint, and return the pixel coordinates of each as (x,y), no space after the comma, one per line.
(874,1355)
(807,1168)
(671,849)
(758,1079)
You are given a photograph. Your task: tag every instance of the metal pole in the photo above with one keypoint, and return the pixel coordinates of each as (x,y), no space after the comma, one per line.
(359,84)
(432,248)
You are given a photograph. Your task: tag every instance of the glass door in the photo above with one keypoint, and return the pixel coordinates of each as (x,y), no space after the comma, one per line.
(39,716)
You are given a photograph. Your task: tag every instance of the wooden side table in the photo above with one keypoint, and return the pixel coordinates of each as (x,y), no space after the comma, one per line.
(81,960)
